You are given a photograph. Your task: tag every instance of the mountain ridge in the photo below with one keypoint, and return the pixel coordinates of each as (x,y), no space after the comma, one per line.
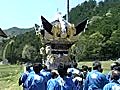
(13,31)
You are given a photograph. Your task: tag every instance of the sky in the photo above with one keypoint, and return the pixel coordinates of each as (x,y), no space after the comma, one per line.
(25,13)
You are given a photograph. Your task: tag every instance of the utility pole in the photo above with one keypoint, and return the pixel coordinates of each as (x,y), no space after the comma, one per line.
(67,16)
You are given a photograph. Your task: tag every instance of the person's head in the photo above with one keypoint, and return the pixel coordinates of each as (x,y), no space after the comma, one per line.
(75,64)
(113,65)
(28,68)
(117,68)
(68,65)
(97,65)
(54,74)
(89,69)
(115,75)
(62,70)
(85,68)
(37,67)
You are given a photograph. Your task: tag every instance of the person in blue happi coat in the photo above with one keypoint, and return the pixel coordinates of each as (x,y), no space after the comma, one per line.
(64,81)
(45,72)
(114,84)
(95,80)
(118,69)
(31,75)
(36,81)
(53,84)
(113,66)
(73,70)
(24,76)
(76,75)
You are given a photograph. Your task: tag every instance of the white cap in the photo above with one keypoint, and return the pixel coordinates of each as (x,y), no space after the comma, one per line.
(73,71)
(55,71)
(77,78)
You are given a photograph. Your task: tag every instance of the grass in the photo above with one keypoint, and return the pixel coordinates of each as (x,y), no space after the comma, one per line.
(9,74)
(105,65)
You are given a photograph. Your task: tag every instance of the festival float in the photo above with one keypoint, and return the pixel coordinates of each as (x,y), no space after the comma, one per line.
(57,38)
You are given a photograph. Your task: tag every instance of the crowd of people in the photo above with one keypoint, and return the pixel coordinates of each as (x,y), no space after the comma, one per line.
(69,77)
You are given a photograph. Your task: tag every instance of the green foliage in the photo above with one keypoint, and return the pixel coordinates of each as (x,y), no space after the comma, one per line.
(89,46)
(101,39)
(14,51)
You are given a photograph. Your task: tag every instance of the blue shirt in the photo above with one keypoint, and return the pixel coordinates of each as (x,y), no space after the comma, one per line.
(28,81)
(60,82)
(108,76)
(65,83)
(78,82)
(24,77)
(119,80)
(46,74)
(36,82)
(113,85)
(69,85)
(53,84)
(95,80)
